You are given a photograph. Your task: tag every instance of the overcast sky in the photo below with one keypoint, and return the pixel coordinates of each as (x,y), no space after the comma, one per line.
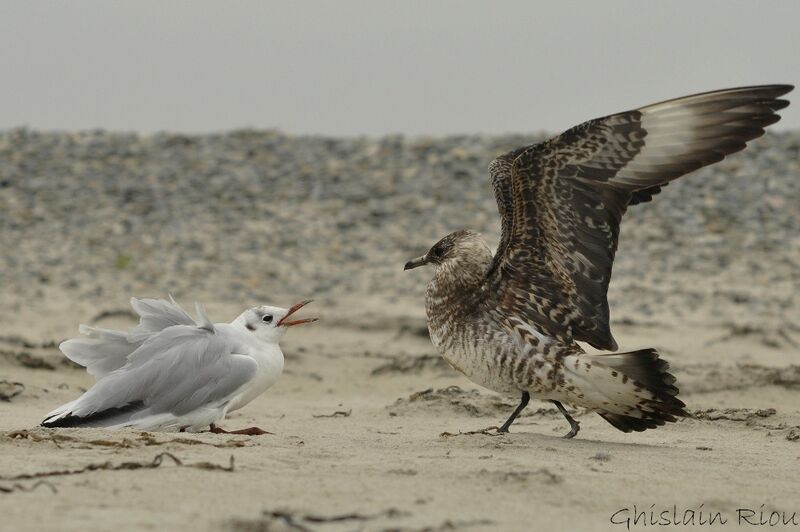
(374,66)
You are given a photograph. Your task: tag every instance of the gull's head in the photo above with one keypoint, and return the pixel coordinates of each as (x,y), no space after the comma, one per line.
(269,324)
(461,246)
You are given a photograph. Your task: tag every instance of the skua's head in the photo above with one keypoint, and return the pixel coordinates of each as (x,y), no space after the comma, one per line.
(271,323)
(463,245)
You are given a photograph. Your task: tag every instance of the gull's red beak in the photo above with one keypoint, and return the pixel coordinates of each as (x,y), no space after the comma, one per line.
(294,308)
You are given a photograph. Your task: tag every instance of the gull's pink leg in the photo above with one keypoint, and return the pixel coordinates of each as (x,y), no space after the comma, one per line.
(250,431)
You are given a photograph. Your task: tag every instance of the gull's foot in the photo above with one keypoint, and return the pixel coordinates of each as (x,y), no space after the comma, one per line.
(522,404)
(250,431)
(574,428)
(504,428)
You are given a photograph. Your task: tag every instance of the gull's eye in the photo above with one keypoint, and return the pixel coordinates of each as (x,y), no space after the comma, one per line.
(267,318)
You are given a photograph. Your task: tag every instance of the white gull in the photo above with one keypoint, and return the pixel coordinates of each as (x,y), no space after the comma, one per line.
(174,373)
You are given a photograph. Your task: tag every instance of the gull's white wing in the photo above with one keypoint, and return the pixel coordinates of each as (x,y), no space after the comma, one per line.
(182,369)
(156,315)
(106,350)
(101,353)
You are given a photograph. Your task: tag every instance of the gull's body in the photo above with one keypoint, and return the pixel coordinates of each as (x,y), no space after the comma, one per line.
(172,372)
(512,321)
(267,356)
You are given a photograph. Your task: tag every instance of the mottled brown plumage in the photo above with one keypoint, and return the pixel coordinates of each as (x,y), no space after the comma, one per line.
(511,321)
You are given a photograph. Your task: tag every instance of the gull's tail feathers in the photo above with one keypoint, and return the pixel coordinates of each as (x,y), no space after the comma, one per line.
(632,391)
(134,415)
(63,416)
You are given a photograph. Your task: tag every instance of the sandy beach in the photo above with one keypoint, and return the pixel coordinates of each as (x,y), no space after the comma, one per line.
(372,430)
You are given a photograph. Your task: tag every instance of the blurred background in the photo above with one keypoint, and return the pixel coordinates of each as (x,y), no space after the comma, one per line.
(245,152)
(373,67)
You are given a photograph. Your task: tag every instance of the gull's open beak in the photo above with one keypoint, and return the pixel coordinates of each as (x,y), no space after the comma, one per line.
(416,263)
(294,308)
